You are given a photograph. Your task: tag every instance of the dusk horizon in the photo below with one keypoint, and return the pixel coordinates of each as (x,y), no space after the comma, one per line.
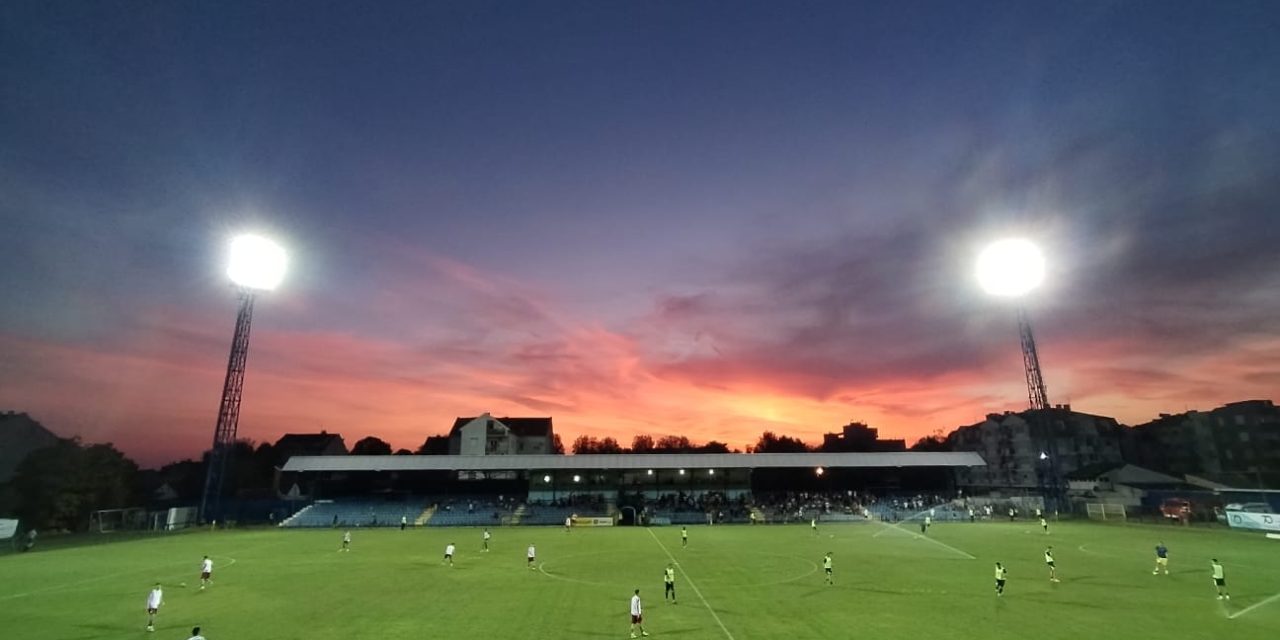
(695,219)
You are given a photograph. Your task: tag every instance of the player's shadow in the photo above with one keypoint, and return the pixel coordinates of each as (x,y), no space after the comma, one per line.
(680,632)
(104,631)
(1068,603)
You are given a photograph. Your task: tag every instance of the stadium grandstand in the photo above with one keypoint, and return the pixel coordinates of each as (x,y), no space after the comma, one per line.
(607,489)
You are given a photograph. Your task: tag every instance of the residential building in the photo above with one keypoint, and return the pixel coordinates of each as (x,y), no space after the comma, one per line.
(1035,449)
(309,444)
(486,435)
(1236,444)
(858,437)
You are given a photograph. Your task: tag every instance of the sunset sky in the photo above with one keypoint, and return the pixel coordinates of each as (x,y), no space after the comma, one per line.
(669,217)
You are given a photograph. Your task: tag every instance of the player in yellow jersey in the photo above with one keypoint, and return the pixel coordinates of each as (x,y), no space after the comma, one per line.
(1220,580)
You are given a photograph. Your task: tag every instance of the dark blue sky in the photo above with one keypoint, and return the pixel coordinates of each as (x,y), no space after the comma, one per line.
(612,212)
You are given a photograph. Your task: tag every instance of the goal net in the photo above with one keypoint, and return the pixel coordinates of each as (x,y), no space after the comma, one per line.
(108,520)
(1105,511)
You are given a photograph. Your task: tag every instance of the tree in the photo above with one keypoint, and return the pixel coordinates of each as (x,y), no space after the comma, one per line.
(771,443)
(673,444)
(435,446)
(585,444)
(59,486)
(557,445)
(609,445)
(403,452)
(714,447)
(642,444)
(250,468)
(371,446)
(935,442)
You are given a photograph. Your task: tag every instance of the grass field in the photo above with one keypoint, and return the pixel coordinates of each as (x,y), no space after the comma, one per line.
(734,583)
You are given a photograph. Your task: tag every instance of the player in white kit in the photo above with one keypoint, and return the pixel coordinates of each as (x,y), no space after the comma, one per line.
(154,600)
(206,573)
(637,615)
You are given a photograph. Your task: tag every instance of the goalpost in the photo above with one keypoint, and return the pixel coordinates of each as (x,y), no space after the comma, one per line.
(108,520)
(1105,511)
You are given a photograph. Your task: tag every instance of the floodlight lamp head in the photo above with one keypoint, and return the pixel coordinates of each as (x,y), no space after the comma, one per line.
(1010,268)
(256,263)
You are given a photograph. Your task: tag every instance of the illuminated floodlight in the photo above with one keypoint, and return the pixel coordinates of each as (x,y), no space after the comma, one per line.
(651,472)
(1011,267)
(682,472)
(256,262)
(546,479)
(577,478)
(711,472)
(819,471)
(1044,456)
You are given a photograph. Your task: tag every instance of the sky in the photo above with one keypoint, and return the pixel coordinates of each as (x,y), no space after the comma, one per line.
(691,218)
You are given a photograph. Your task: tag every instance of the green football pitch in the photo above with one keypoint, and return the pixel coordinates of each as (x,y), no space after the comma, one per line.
(733,583)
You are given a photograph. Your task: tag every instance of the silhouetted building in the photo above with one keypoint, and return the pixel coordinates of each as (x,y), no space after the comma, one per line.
(1035,449)
(1237,444)
(858,437)
(19,436)
(486,435)
(309,444)
(1125,484)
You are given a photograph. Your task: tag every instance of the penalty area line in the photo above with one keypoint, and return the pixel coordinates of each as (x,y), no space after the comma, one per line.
(692,585)
(925,537)
(1253,606)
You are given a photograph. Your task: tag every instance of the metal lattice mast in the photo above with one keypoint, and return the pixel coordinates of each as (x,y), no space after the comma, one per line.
(224,434)
(1031,362)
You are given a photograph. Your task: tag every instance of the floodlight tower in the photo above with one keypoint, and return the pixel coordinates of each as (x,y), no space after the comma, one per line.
(257,264)
(1012,268)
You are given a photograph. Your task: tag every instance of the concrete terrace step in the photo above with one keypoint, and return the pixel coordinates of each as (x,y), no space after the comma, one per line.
(424,516)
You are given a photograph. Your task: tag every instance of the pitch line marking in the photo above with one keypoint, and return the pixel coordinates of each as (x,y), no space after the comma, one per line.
(1253,606)
(692,585)
(921,537)
(813,568)
(100,578)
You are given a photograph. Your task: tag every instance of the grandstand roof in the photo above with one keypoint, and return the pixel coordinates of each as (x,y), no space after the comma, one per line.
(633,461)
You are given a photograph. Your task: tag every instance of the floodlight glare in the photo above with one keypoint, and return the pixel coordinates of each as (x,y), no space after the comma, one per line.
(1010,267)
(577,478)
(256,263)
(820,471)
(546,478)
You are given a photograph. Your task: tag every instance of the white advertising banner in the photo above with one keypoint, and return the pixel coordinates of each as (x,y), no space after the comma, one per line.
(1254,521)
(8,528)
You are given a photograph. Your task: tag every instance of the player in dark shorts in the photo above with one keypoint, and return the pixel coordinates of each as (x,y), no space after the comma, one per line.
(1220,580)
